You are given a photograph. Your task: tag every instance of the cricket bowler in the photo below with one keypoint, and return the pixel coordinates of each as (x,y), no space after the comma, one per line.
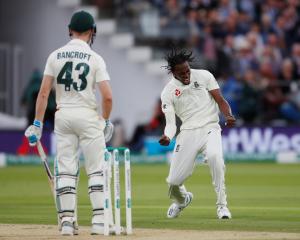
(194,96)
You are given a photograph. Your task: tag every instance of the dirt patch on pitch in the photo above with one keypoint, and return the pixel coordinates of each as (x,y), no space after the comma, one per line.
(46,232)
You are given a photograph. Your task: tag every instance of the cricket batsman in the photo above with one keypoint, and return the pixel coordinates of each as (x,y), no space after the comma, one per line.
(76,71)
(194,96)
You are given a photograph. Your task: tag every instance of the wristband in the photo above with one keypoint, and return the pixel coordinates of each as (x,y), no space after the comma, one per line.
(37,123)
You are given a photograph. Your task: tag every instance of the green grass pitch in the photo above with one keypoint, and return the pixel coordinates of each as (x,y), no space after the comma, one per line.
(262,197)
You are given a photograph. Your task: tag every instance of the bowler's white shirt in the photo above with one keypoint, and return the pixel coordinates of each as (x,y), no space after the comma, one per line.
(192,103)
(83,62)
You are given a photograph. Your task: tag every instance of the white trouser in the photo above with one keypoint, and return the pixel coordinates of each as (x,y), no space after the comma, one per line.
(189,144)
(76,127)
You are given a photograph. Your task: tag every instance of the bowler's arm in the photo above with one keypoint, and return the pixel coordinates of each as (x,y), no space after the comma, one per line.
(170,128)
(223,106)
(42,99)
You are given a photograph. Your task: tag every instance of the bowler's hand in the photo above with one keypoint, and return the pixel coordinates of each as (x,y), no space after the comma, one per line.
(108,130)
(230,121)
(164,140)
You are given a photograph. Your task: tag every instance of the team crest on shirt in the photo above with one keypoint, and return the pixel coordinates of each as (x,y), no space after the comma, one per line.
(177,92)
(164,106)
(197,86)
(177,148)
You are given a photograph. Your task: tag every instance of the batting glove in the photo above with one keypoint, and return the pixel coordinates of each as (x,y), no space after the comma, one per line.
(108,130)
(34,132)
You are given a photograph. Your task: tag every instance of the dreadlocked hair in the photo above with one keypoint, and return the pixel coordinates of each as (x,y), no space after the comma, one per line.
(175,57)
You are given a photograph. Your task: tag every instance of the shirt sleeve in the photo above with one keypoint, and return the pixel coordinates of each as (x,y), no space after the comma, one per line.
(166,102)
(211,82)
(49,69)
(168,110)
(101,72)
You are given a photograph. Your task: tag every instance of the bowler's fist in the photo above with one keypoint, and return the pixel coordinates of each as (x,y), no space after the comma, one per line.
(230,121)
(164,140)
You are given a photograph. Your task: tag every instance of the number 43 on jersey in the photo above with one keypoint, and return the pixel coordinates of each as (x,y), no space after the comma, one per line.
(65,76)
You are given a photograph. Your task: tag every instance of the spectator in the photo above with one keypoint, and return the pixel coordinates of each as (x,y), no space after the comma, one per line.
(244,58)
(273,98)
(235,38)
(243,23)
(266,26)
(28,100)
(225,9)
(173,22)
(296,58)
(256,43)
(290,109)
(232,91)
(247,6)
(225,56)
(287,77)
(29,97)
(250,101)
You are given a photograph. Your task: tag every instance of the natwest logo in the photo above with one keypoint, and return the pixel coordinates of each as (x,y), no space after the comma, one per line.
(261,140)
(177,92)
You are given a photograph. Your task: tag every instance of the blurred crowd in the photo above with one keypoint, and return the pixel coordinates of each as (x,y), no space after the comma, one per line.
(251,46)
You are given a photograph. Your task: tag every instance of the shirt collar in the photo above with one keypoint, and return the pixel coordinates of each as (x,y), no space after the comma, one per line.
(178,83)
(80,42)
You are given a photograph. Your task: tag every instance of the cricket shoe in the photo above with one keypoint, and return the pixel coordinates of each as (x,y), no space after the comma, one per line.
(98,229)
(223,212)
(176,208)
(67,228)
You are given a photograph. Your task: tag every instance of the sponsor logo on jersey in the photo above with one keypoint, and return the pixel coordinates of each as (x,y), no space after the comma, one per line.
(177,148)
(177,92)
(164,106)
(196,84)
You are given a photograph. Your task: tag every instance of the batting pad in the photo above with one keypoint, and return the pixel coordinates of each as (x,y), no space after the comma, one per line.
(66,195)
